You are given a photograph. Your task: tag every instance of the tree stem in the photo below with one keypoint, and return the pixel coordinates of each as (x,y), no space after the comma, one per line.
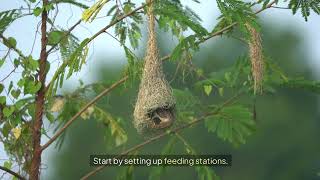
(34,171)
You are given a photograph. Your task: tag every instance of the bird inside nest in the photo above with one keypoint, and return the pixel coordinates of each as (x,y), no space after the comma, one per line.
(162,118)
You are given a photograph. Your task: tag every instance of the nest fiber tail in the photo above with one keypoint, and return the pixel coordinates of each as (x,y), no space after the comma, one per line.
(256,57)
(154,108)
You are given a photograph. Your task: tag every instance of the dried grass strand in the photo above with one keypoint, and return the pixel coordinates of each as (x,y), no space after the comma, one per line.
(256,58)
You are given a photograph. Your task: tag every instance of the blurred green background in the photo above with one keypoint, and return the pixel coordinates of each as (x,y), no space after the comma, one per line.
(285,145)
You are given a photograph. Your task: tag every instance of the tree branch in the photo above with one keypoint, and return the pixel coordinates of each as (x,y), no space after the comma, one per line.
(94,36)
(118,20)
(12,173)
(106,91)
(102,30)
(173,131)
(125,78)
(189,124)
(220,32)
(64,36)
(278,7)
(6,43)
(34,171)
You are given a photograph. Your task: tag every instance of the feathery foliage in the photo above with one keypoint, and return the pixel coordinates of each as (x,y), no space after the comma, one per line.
(124,21)
(305,7)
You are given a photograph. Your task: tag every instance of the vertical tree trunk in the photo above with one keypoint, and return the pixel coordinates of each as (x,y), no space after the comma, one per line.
(40,98)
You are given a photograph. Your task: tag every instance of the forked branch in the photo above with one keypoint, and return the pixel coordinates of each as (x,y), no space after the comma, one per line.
(173,131)
(113,86)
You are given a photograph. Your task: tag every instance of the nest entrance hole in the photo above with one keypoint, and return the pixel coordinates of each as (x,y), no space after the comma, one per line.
(162,117)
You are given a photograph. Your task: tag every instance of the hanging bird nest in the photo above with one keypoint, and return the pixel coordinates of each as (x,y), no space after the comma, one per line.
(256,58)
(155,105)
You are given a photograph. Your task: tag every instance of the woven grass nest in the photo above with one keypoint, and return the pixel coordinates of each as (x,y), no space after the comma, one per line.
(155,105)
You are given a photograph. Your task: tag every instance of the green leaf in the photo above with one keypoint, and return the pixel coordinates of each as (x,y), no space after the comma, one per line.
(76,56)
(205,173)
(50,117)
(55,37)
(305,6)
(156,172)
(221,91)
(111,10)
(1,88)
(7,164)
(31,87)
(21,103)
(129,28)
(37,11)
(185,44)
(126,173)
(301,83)
(6,129)
(236,11)
(231,77)
(233,124)
(68,45)
(11,42)
(127,8)
(7,111)
(114,129)
(1,62)
(73,56)
(6,18)
(223,23)
(21,82)
(91,13)
(207,89)
(31,64)
(119,135)
(37,87)
(134,68)
(16,62)
(10,86)
(175,14)
(15,93)
(2,100)
(49,7)
(134,35)
(186,101)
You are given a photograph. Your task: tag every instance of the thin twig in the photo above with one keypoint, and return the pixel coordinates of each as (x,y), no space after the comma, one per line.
(106,91)
(173,131)
(121,80)
(116,21)
(35,38)
(12,173)
(96,34)
(115,38)
(102,30)
(278,7)
(220,32)
(64,36)
(94,171)
(6,43)
(14,69)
